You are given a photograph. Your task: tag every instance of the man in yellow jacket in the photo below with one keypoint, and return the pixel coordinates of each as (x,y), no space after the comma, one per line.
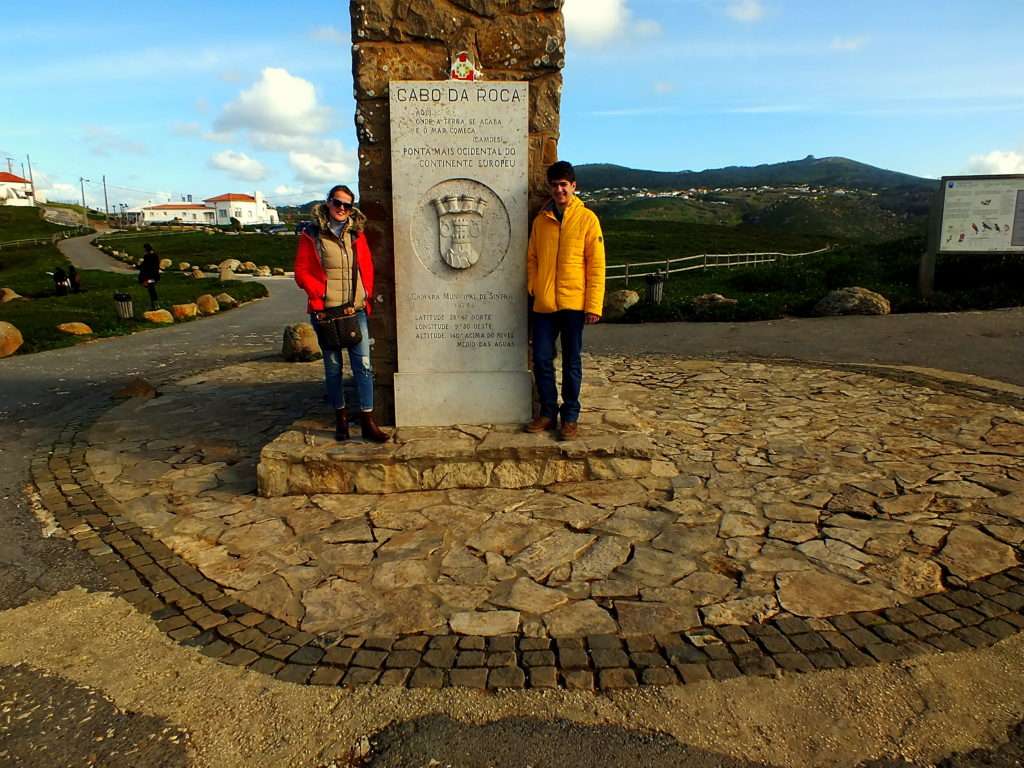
(565,277)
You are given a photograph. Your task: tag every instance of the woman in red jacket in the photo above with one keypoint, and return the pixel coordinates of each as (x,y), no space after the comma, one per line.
(324,270)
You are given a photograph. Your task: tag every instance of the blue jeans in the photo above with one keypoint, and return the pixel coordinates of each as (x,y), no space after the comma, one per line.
(567,324)
(362,371)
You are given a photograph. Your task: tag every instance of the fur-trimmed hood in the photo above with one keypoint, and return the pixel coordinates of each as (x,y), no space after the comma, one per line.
(322,219)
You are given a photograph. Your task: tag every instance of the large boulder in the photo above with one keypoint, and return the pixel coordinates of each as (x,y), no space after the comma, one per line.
(165,263)
(75,329)
(853,301)
(160,316)
(617,302)
(263,272)
(248,266)
(196,273)
(300,344)
(709,301)
(226,301)
(277,272)
(207,305)
(226,274)
(184,311)
(9,294)
(184,266)
(10,339)
(231,264)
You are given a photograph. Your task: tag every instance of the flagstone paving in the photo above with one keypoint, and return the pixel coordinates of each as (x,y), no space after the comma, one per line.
(773,497)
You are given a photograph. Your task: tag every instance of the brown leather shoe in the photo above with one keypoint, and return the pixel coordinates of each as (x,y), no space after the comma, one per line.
(371,431)
(341,425)
(540,424)
(570,431)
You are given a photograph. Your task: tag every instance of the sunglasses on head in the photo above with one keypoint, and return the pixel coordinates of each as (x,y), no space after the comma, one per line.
(341,205)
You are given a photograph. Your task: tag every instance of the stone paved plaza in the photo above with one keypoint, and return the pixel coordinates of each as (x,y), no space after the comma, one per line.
(771,491)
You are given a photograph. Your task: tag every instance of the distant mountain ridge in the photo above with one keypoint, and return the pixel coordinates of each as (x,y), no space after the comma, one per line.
(824,171)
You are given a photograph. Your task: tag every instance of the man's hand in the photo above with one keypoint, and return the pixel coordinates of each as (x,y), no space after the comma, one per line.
(592,319)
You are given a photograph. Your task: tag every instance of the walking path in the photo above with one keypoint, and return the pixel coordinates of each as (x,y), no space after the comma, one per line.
(80,252)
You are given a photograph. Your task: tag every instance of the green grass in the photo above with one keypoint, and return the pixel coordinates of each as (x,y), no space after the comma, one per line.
(630,240)
(792,288)
(201,248)
(37,319)
(25,224)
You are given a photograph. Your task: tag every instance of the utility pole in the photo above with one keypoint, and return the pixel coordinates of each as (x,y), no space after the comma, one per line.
(106,205)
(10,168)
(85,211)
(31,178)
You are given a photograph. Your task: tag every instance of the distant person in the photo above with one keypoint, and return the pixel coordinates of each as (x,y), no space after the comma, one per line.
(565,279)
(334,266)
(149,272)
(61,284)
(74,279)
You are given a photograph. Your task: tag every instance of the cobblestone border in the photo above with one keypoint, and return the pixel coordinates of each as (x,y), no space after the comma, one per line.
(196,612)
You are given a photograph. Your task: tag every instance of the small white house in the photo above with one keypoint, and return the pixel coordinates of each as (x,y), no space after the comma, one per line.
(178,213)
(249,210)
(15,190)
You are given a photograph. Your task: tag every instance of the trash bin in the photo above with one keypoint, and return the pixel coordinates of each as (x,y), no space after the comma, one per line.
(125,309)
(655,287)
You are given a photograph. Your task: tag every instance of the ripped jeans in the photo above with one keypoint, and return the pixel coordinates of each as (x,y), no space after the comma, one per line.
(362,370)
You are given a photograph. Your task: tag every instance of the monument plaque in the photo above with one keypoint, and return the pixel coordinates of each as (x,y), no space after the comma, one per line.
(460,162)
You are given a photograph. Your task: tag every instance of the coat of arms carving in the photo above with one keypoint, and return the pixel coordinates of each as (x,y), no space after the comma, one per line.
(461,219)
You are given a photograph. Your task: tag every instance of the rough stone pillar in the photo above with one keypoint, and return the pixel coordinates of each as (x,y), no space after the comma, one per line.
(521,40)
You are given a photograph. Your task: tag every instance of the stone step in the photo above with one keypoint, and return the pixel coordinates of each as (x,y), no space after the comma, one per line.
(306,460)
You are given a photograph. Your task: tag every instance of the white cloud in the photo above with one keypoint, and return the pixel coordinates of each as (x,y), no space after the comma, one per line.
(278,103)
(186,129)
(283,190)
(747,11)
(104,142)
(663,87)
(329,35)
(593,22)
(849,44)
(239,165)
(996,162)
(319,169)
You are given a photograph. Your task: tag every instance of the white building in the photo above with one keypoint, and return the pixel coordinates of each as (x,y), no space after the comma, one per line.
(178,213)
(15,190)
(216,211)
(247,209)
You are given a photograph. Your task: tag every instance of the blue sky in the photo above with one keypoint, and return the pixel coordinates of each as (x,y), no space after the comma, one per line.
(202,98)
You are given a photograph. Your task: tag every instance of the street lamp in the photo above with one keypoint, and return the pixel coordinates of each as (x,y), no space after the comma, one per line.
(85,214)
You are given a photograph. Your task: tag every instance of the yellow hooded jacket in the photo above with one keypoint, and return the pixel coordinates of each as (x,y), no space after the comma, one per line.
(565,262)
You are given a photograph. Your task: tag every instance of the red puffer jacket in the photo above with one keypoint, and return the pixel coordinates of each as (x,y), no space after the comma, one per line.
(310,275)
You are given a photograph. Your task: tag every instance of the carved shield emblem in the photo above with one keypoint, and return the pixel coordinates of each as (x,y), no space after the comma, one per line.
(461,220)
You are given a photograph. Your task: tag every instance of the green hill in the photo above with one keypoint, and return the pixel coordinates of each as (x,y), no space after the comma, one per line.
(824,171)
(24,224)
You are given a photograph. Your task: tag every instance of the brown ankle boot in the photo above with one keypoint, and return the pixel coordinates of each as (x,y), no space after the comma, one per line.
(371,431)
(341,425)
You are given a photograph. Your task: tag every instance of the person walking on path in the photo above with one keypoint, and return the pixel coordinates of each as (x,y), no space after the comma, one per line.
(149,272)
(334,266)
(565,279)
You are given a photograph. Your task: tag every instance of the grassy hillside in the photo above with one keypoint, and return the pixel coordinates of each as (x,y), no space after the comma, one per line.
(37,316)
(793,287)
(842,218)
(825,171)
(202,249)
(24,224)
(632,240)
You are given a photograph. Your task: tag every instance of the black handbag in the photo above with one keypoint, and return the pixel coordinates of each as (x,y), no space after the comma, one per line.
(337,328)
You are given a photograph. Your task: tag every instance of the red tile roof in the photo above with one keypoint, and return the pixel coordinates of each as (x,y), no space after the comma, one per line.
(10,178)
(231,196)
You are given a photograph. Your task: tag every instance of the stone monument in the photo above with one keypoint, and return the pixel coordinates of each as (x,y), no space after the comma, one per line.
(461,221)
(419,40)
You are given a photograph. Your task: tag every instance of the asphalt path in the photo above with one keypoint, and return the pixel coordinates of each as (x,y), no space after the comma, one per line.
(80,252)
